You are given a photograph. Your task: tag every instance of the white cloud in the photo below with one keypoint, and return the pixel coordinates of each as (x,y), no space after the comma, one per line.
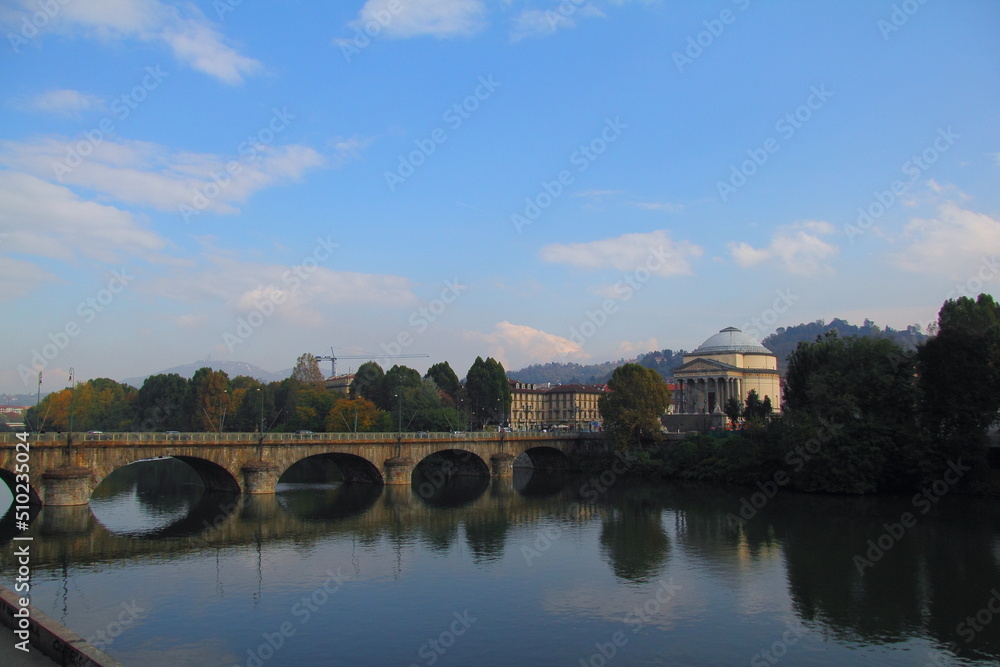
(64,102)
(18,277)
(48,220)
(539,23)
(349,148)
(296,295)
(666,207)
(543,22)
(953,244)
(795,248)
(654,251)
(417,18)
(518,345)
(198,44)
(193,39)
(149,174)
(598,194)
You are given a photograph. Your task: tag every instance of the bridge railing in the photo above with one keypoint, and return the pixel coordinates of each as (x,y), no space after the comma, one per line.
(8,439)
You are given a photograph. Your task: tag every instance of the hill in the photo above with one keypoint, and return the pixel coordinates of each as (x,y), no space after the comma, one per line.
(782,342)
(664,362)
(232,369)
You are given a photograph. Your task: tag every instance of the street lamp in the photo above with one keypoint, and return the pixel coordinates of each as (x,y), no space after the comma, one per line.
(70,400)
(222,410)
(261,428)
(38,396)
(399,395)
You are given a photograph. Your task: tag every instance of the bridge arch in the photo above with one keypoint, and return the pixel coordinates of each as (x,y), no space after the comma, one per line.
(544,458)
(354,468)
(452,462)
(215,477)
(11,480)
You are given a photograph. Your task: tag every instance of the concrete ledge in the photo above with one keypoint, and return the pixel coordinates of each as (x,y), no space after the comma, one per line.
(51,638)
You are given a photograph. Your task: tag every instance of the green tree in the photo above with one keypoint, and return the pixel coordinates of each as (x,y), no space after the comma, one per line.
(856,397)
(632,409)
(959,380)
(757,412)
(208,399)
(425,410)
(397,386)
(248,405)
(446,379)
(733,410)
(369,383)
(306,406)
(160,402)
(487,392)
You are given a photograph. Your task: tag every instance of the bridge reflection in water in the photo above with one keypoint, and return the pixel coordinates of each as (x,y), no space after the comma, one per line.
(798,550)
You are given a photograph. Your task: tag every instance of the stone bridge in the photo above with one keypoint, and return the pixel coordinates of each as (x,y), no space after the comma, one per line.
(64,469)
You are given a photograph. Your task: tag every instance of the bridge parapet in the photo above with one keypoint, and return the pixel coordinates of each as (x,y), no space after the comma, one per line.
(68,467)
(271,438)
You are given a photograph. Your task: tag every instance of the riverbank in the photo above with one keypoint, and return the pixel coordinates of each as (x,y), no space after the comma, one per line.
(28,636)
(752,458)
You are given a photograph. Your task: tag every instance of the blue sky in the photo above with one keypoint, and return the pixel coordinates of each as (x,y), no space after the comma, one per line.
(528,179)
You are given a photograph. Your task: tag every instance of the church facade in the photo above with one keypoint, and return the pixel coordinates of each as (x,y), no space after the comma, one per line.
(728,364)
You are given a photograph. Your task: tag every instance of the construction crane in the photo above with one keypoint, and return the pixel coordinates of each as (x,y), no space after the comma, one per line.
(332,358)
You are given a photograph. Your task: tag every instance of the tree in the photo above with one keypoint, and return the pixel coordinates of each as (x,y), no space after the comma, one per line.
(369,383)
(733,410)
(446,379)
(99,404)
(307,370)
(247,406)
(959,379)
(424,409)
(854,399)
(103,405)
(208,399)
(312,406)
(159,404)
(397,385)
(487,392)
(632,409)
(756,412)
(353,415)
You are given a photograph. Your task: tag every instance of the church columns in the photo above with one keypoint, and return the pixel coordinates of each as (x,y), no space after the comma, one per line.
(697,392)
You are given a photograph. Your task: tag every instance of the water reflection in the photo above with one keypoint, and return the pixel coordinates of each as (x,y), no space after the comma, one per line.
(455,492)
(531,485)
(936,574)
(327,502)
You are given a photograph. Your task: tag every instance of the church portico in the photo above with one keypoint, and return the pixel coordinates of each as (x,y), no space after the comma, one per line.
(729,364)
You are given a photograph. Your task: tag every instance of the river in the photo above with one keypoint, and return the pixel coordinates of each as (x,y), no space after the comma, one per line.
(544,569)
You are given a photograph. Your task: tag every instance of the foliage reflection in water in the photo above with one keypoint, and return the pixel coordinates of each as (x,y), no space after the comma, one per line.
(458,569)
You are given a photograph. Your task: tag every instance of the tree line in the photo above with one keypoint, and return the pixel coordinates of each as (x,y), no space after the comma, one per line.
(864,413)
(211,401)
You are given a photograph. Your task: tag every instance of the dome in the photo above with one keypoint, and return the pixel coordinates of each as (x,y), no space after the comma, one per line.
(731,340)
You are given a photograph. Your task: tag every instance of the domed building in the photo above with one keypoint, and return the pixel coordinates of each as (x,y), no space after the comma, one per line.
(730,363)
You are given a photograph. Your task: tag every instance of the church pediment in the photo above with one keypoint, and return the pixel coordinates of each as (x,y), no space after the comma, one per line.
(699,366)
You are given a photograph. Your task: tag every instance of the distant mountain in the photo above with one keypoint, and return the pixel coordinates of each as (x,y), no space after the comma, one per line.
(664,362)
(232,369)
(784,341)
(20,399)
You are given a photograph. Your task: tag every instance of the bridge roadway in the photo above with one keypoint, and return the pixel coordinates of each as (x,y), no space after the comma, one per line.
(64,469)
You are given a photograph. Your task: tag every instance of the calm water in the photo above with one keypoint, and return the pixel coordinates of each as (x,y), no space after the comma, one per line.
(543,570)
